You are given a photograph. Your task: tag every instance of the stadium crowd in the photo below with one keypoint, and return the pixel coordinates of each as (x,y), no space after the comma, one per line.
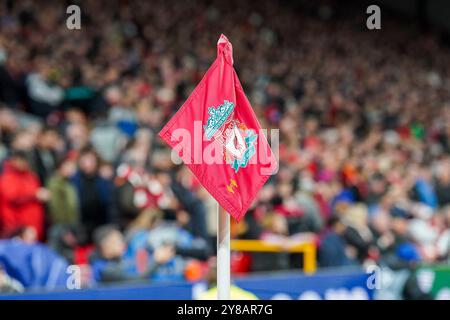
(364,119)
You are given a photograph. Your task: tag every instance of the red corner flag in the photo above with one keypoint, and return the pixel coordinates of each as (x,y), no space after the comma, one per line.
(218,136)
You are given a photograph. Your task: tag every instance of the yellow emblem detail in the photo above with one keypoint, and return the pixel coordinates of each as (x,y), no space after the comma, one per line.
(232,185)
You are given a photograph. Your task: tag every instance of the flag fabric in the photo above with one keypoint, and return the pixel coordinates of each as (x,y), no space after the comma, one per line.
(217,135)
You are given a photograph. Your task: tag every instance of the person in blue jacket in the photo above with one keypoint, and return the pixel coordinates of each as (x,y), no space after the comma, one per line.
(33,265)
(94,192)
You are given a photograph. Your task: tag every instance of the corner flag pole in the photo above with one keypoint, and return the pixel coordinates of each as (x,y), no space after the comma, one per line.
(223,254)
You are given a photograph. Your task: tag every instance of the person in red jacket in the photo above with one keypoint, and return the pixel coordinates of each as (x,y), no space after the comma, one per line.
(21,197)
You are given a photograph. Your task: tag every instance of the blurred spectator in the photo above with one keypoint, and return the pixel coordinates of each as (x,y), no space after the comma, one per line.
(443,183)
(150,231)
(136,190)
(333,249)
(63,206)
(182,188)
(63,209)
(110,265)
(21,196)
(34,265)
(357,234)
(45,94)
(45,153)
(93,191)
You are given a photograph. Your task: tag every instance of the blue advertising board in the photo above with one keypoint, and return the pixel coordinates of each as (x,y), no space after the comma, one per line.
(322,285)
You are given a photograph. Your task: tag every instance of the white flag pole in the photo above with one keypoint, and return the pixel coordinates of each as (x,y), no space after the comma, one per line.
(223,254)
